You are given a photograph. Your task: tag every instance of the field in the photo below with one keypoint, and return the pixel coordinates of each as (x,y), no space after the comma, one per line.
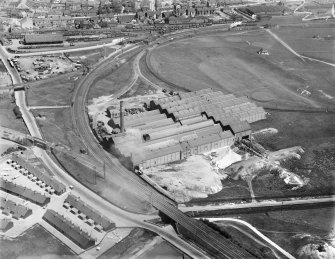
(112,80)
(35,243)
(301,40)
(138,239)
(287,228)
(314,132)
(7,116)
(51,92)
(2,67)
(56,126)
(230,63)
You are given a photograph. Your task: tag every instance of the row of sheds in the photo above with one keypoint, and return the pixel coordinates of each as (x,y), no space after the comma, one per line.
(90,212)
(24,192)
(69,229)
(48,180)
(17,210)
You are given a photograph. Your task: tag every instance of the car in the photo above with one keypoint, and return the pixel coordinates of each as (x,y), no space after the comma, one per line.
(71,187)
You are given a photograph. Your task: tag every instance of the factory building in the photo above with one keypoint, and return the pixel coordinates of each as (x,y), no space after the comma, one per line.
(183,125)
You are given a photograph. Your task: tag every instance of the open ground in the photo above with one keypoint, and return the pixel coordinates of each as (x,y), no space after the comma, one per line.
(34,243)
(230,63)
(293,229)
(7,116)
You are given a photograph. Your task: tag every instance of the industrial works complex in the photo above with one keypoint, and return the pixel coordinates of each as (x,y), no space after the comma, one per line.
(176,127)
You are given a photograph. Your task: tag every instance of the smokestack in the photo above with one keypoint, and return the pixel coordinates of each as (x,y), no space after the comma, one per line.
(121,118)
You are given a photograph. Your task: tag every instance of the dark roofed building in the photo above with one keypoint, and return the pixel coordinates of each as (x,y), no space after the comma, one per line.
(5,224)
(66,227)
(23,192)
(90,212)
(43,38)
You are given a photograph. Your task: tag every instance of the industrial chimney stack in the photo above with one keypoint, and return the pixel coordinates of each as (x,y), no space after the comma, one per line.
(121,117)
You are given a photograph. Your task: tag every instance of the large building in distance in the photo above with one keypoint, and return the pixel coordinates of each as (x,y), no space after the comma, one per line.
(185,124)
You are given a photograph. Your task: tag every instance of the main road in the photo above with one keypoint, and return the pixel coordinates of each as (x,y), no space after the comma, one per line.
(215,244)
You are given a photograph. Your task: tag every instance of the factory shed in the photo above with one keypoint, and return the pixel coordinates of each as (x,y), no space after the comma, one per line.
(50,38)
(158,156)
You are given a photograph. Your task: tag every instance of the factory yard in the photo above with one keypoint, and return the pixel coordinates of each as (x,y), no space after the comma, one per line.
(42,67)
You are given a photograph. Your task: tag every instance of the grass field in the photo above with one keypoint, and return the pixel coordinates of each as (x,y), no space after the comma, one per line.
(285,227)
(7,116)
(315,133)
(112,80)
(57,91)
(2,67)
(230,63)
(135,241)
(137,238)
(36,242)
(139,88)
(300,39)
(56,126)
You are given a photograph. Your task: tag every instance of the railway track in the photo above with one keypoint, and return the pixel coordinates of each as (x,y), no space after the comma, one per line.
(210,241)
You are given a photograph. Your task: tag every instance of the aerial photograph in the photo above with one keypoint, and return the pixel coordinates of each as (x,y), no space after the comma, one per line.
(167,129)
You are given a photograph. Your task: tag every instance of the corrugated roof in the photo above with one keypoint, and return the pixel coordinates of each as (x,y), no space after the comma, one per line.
(138,158)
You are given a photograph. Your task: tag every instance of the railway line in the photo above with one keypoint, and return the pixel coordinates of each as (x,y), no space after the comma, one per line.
(213,243)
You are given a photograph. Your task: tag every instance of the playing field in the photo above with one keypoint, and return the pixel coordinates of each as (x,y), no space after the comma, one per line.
(322,46)
(230,63)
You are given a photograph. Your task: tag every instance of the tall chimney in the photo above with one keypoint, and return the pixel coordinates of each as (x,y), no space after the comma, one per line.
(121,118)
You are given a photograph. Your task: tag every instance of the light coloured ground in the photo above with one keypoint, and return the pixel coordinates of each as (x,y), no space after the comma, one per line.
(249,168)
(58,64)
(196,177)
(100,104)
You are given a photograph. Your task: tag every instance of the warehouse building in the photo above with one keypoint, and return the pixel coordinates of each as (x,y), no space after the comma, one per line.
(50,38)
(183,125)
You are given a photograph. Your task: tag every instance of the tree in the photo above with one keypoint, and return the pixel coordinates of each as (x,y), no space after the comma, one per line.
(116,6)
